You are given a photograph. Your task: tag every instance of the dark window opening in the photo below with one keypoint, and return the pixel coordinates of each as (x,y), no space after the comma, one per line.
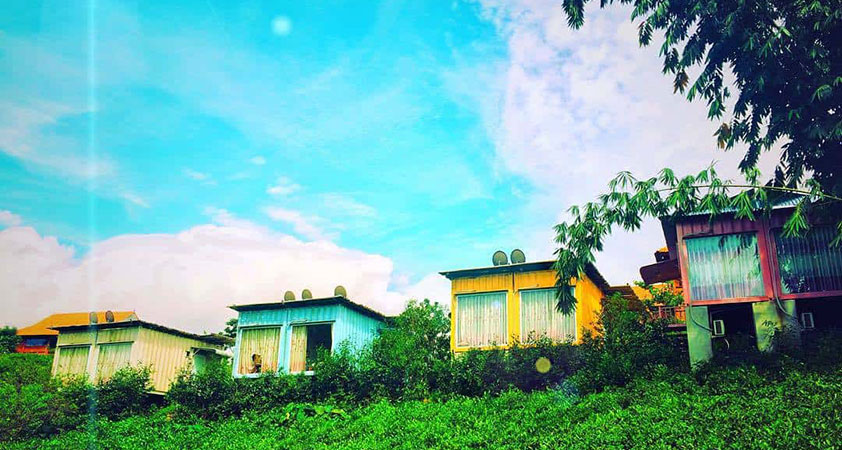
(318,337)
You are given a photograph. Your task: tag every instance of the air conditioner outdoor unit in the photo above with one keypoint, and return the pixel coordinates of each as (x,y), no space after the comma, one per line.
(718,327)
(807,321)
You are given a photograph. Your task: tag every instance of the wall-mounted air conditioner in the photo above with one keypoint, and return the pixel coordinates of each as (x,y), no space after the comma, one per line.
(807,321)
(718,327)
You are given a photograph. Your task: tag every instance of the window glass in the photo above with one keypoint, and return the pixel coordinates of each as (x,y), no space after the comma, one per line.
(111,358)
(481,319)
(539,316)
(259,350)
(725,266)
(72,360)
(305,344)
(808,263)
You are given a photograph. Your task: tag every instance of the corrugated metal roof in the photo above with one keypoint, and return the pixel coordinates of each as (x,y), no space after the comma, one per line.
(590,270)
(209,338)
(44,327)
(312,302)
(781,203)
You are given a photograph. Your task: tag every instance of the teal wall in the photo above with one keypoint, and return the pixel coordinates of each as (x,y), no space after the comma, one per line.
(349,326)
(699,334)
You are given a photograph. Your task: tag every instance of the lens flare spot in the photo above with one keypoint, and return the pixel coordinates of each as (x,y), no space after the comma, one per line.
(543,365)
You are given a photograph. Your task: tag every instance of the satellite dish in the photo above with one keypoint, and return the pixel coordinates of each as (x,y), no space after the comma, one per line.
(518,257)
(340,292)
(93,318)
(499,258)
(109,316)
(306,294)
(289,296)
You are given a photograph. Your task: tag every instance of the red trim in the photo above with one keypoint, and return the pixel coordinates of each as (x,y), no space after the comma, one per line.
(41,350)
(730,300)
(817,294)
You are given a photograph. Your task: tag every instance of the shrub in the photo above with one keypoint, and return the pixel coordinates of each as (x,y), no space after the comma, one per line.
(8,339)
(125,393)
(19,369)
(628,344)
(210,393)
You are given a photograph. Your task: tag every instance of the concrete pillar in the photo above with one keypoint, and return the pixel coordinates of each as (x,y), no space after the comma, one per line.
(698,334)
(769,319)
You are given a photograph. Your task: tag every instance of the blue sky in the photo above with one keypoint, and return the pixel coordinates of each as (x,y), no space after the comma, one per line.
(397,138)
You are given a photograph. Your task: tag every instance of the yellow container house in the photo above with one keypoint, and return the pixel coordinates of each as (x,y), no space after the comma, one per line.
(491,307)
(100,349)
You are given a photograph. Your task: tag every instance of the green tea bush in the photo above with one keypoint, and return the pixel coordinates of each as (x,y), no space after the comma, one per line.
(125,393)
(628,344)
(19,369)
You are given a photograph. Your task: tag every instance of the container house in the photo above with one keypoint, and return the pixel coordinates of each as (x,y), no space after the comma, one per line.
(100,349)
(491,307)
(40,337)
(286,336)
(743,279)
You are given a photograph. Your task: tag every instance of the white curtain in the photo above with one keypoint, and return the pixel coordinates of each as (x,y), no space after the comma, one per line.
(481,319)
(725,266)
(72,360)
(298,349)
(259,350)
(539,317)
(111,358)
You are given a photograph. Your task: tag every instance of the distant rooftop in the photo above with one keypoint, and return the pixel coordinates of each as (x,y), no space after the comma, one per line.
(45,326)
(335,300)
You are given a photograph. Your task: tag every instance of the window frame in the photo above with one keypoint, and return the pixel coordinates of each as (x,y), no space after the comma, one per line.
(505,321)
(87,360)
(100,345)
(757,228)
(523,335)
(238,346)
(776,272)
(292,325)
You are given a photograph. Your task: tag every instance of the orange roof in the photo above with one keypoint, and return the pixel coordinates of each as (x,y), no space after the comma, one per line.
(42,328)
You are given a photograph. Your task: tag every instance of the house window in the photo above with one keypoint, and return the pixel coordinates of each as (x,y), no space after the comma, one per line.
(480,319)
(259,350)
(111,358)
(72,360)
(539,316)
(808,263)
(725,266)
(305,344)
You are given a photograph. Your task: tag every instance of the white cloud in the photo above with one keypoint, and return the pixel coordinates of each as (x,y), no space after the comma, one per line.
(9,219)
(303,225)
(281,25)
(134,199)
(186,280)
(195,175)
(22,137)
(346,205)
(258,160)
(284,186)
(579,106)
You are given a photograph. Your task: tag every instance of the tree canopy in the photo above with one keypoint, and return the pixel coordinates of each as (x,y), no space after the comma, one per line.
(786,64)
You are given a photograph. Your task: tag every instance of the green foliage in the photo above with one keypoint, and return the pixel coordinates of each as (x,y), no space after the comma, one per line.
(741,408)
(125,393)
(628,343)
(230,328)
(784,56)
(19,369)
(662,295)
(8,339)
(629,201)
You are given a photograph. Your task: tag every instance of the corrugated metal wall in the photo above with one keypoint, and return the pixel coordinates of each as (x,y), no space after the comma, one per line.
(587,294)
(167,354)
(348,326)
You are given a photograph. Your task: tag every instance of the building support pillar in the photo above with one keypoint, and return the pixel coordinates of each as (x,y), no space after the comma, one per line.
(698,334)
(770,319)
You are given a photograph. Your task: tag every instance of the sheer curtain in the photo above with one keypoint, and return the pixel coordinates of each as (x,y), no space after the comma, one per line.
(72,360)
(111,358)
(725,266)
(539,316)
(261,344)
(481,319)
(298,349)
(808,263)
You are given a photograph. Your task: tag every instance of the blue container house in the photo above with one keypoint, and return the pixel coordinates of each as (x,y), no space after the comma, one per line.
(286,336)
